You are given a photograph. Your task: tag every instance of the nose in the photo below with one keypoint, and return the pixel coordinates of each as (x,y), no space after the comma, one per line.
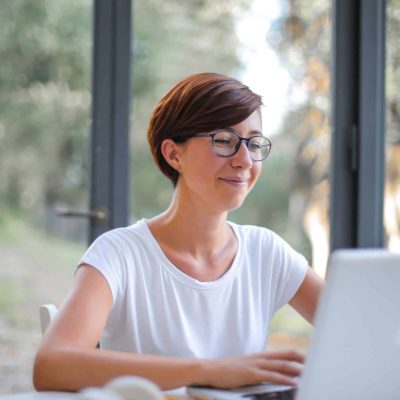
(242,157)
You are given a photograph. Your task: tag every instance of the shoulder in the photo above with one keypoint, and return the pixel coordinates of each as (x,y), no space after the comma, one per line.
(117,254)
(119,247)
(252,234)
(264,243)
(122,237)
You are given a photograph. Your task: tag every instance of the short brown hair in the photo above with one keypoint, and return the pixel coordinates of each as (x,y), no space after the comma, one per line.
(197,104)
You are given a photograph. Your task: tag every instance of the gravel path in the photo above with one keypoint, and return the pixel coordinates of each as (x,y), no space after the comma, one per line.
(26,284)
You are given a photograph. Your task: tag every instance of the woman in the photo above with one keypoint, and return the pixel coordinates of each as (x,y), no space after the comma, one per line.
(186,297)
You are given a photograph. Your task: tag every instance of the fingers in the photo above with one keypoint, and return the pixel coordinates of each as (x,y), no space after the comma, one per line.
(283,373)
(290,368)
(280,366)
(277,378)
(290,355)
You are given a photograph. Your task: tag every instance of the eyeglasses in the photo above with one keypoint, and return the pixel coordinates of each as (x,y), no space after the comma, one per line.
(226,142)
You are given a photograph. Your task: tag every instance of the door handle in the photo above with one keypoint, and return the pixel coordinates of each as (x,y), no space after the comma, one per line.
(98,215)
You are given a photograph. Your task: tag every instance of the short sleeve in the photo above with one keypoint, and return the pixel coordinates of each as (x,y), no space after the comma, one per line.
(106,256)
(290,269)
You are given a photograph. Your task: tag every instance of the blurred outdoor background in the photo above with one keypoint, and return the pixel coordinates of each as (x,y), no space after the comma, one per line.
(280,48)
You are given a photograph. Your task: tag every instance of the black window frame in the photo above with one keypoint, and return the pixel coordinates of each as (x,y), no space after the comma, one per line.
(358,134)
(111,106)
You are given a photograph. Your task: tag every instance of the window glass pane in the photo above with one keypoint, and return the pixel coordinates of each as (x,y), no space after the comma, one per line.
(45,52)
(291,69)
(392,184)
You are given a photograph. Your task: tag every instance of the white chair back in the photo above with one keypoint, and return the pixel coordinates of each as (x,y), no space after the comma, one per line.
(47,313)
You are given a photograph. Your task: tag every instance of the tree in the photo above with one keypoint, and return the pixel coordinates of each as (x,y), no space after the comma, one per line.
(302,38)
(44,98)
(45,47)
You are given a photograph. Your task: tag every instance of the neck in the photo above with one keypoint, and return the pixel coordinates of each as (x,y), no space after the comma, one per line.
(191,228)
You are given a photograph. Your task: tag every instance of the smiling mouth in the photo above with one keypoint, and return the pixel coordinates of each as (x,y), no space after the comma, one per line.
(235,181)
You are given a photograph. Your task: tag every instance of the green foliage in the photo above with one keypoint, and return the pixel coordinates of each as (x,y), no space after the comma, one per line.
(43,41)
(44,102)
(174,39)
(302,39)
(45,47)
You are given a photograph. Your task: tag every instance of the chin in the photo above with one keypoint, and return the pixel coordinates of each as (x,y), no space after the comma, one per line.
(233,204)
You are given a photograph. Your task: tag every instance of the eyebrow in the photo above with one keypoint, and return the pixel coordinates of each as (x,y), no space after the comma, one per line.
(253,132)
(256,132)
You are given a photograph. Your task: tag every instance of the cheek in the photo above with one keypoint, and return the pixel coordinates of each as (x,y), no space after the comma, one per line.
(200,159)
(257,168)
(197,162)
(197,167)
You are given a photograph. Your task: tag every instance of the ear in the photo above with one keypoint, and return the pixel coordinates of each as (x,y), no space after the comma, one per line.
(171,152)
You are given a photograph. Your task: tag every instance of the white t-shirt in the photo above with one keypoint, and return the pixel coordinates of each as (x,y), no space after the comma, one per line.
(158,309)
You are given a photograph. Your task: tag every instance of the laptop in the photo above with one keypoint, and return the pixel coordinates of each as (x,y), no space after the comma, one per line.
(355,348)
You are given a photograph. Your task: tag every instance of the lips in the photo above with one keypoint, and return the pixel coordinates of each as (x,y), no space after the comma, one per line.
(235,180)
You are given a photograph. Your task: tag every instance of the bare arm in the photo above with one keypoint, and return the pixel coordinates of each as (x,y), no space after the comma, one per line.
(67,358)
(305,300)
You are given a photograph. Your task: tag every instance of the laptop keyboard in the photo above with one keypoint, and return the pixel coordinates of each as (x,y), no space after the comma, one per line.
(283,395)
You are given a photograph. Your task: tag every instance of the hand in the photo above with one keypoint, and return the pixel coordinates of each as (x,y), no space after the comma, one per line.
(277,366)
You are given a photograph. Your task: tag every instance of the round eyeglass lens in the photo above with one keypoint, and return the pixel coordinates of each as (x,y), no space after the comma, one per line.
(224,143)
(259,147)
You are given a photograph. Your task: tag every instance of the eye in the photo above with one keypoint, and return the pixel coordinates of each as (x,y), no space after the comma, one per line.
(256,143)
(224,139)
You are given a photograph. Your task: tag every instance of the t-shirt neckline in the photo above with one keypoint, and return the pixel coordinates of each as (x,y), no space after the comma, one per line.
(179,275)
